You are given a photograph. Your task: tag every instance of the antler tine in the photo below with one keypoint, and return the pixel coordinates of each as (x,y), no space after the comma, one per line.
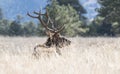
(31,15)
(38,13)
(43,23)
(60,29)
(49,20)
(41,20)
(47,17)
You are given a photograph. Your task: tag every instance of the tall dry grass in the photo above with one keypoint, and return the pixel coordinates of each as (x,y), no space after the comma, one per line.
(84,56)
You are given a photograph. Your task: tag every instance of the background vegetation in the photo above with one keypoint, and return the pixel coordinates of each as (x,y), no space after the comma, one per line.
(71,14)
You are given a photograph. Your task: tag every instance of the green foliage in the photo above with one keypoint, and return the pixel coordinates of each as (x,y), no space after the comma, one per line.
(29,29)
(4,26)
(40,30)
(75,4)
(100,28)
(15,29)
(105,29)
(116,28)
(93,27)
(1,14)
(110,10)
(65,15)
(67,12)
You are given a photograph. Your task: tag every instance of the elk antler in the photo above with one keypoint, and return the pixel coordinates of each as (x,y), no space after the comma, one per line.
(53,33)
(38,16)
(40,19)
(60,29)
(50,21)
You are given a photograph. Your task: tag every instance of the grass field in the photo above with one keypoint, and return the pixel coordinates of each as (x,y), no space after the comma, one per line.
(84,56)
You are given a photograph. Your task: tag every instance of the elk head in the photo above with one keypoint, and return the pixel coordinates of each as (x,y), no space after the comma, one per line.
(51,32)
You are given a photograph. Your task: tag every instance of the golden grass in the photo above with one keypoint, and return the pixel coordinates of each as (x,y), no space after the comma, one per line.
(84,56)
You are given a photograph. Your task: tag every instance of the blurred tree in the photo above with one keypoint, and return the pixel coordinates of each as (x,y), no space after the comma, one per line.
(105,29)
(40,30)
(15,28)
(110,11)
(4,26)
(1,14)
(19,18)
(76,5)
(29,29)
(98,27)
(93,27)
(66,15)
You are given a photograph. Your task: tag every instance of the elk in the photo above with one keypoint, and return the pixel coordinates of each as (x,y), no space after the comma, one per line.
(54,37)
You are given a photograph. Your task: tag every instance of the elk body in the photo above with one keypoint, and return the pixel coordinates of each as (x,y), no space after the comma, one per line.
(54,37)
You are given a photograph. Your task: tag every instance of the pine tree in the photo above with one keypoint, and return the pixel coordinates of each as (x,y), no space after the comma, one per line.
(1,14)
(110,11)
(66,15)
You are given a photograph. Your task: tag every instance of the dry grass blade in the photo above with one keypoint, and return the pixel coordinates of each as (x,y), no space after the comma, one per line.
(84,56)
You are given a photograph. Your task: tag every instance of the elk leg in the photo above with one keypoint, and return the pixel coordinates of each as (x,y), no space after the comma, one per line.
(35,53)
(58,50)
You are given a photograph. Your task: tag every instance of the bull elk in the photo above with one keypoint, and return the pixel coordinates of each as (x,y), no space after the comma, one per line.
(54,37)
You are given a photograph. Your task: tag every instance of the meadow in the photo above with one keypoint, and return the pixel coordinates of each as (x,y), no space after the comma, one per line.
(94,55)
